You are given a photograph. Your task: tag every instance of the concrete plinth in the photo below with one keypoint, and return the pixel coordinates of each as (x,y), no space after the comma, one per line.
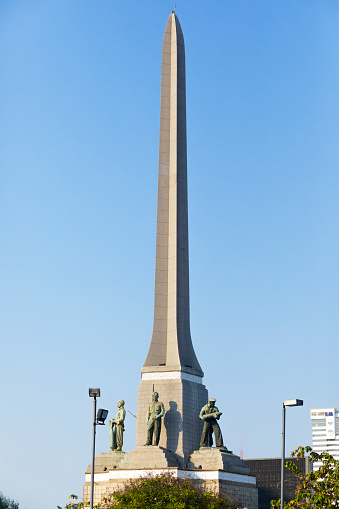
(107,460)
(209,458)
(149,457)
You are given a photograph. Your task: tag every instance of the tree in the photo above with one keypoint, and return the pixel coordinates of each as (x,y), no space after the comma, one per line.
(7,503)
(318,489)
(162,491)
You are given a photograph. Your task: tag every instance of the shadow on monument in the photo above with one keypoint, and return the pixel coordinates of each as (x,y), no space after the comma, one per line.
(173,425)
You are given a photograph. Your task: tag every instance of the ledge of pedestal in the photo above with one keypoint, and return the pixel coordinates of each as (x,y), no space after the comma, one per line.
(107,461)
(212,458)
(151,456)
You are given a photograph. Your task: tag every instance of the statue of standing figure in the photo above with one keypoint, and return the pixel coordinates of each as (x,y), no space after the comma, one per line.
(210,414)
(155,411)
(116,432)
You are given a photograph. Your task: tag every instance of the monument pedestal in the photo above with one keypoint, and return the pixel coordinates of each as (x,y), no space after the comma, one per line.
(212,458)
(211,468)
(107,461)
(151,456)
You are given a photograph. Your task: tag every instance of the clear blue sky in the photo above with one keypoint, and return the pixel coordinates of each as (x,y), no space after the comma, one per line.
(79,102)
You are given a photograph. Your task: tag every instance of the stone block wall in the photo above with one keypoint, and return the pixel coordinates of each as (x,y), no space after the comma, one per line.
(181,426)
(242,494)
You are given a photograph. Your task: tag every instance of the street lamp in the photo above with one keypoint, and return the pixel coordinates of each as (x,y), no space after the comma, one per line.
(287,402)
(102,415)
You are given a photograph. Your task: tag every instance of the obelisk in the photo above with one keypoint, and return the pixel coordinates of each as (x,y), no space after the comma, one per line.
(171,366)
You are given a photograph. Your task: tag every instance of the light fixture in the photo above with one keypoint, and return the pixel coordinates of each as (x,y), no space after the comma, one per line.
(293,402)
(101,416)
(94,393)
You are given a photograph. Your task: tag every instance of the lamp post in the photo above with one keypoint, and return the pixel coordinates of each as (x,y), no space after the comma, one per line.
(287,402)
(102,414)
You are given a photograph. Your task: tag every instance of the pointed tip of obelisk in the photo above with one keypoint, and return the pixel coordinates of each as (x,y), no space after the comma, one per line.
(171,16)
(174,24)
(173,13)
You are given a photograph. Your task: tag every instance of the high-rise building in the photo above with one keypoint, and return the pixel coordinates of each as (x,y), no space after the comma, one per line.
(325,432)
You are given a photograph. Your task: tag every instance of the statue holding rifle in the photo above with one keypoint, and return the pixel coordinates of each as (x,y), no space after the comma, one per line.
(210,415)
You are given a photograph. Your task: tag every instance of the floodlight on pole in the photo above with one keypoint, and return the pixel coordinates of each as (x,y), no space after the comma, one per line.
(94,393)
(99,419)
(286,402)
(101,416)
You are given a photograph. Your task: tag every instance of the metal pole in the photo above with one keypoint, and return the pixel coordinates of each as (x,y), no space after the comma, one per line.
(282,459)
(93,450)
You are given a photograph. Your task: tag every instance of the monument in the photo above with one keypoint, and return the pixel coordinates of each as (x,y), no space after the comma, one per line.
(169,431)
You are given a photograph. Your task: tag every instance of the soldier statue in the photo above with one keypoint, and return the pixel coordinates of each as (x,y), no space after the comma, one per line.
(117,429)
(153,420)
(210,415)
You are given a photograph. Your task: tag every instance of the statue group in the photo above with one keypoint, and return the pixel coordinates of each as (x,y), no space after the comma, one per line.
(209,414)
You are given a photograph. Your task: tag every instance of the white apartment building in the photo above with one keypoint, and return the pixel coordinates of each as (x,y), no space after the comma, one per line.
(325,432)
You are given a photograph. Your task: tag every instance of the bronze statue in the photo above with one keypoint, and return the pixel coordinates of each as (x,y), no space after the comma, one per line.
(117,429)
(210,414)
(153,420)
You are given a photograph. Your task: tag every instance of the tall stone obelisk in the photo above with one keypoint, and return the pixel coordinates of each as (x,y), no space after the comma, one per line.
(171,366)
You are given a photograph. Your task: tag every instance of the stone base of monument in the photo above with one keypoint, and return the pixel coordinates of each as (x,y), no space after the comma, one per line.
(150,456)
(207,458)
(107,461)
(216,470)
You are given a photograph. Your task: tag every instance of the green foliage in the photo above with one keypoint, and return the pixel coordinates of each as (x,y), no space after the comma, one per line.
(6,503)
(318,489)
(75,505)
(159,492)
